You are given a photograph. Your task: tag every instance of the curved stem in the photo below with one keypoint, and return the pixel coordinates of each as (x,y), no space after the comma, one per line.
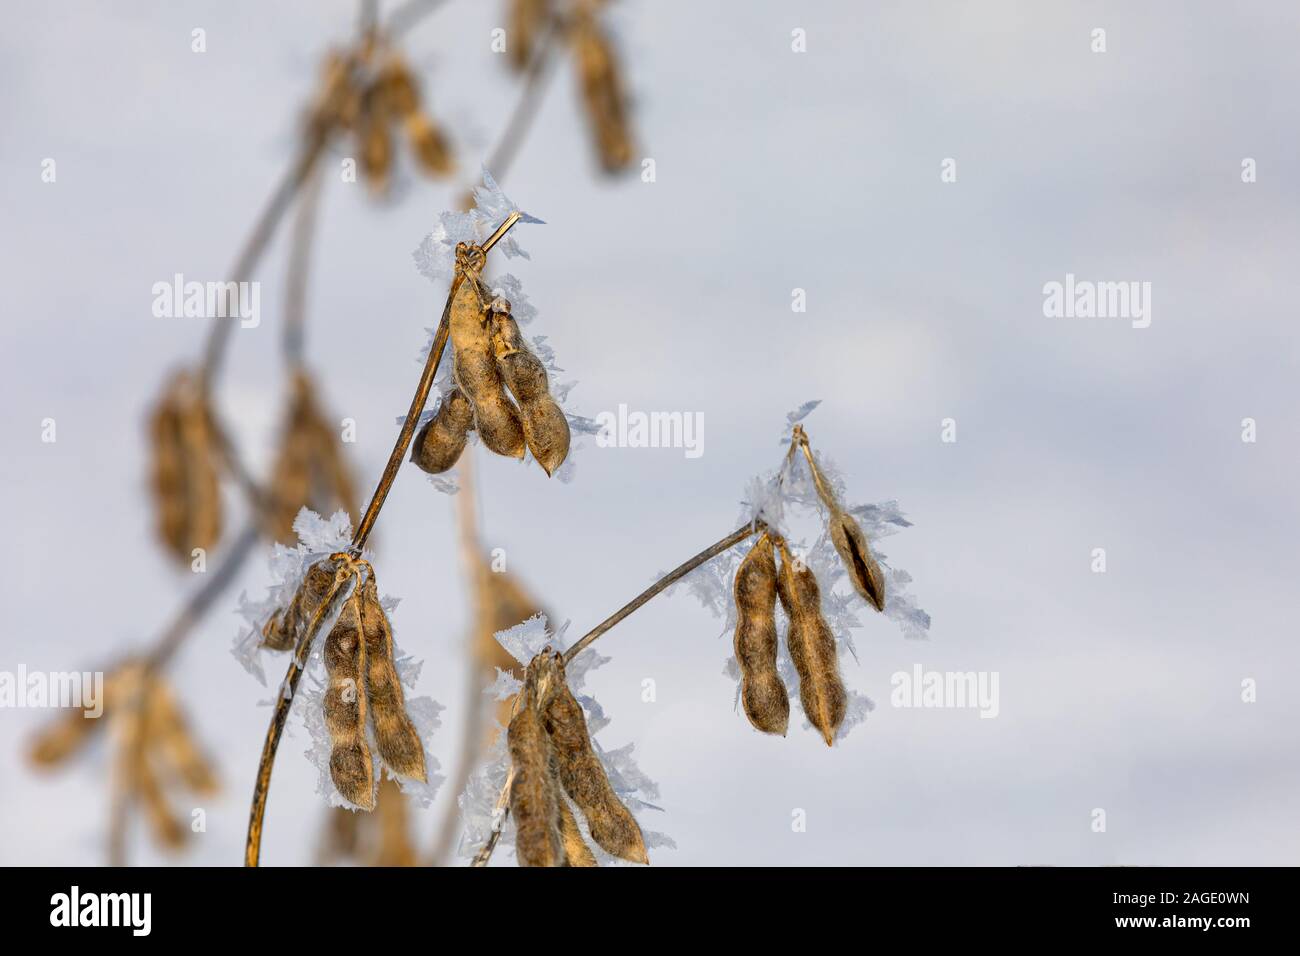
(288,689)
(665,582)
(219,335)
(517,126)
(300,242)
(419,399)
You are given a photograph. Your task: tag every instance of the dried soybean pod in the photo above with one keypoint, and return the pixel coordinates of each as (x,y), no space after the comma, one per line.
(397,88)
(475,370)
(851,543)
(280,632)
(310,470)
(526,19)
(602,91)
(533,796)
(399,742)
(612,825)
(60,739)
(762,692)
(176,743)
(546,430)
(441,441)
(351,767)
(429,145)
(187,493)
(166,827)
(812,648)
(576,851)
(846,534)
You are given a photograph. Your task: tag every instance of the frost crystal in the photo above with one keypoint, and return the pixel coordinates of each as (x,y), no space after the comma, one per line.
(774,498)
(318,538)
(478,802)
(436,255)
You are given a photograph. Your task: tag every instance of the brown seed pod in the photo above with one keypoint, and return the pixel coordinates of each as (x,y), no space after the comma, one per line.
(310,470)
(280,632)
(395,86)
(429,145)
(526,20)
(399,742)
(535,801)
(762,692)
(167,828)
(476,374)
(812,647)
(576,851)
(171,735)
(375,139)
(612,825)
(851,543)
(186,458)
(602,91)
(546,430)
(846,534)
(351,767)
(441,441)
(62,738)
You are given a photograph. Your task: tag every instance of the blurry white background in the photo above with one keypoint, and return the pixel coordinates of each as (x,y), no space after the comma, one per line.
(775,170)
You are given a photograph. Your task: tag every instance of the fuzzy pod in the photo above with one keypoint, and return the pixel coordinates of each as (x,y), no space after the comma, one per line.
(185,465)
(762,692)
(611,824)
(395,85)
(351,766)
(429,145)
(851,543)
(576,851)
(167,827)
(527,18)
(474,369)
(546,430)
(62,738)
(602,92)
(310,470)
(175,741)
(399,742)
(376,143)
(534,799)
(812,648)
(280,632)
(441,441)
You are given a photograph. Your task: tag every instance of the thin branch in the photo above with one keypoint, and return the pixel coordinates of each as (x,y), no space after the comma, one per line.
(665,582)
(408,15)
(502,809)
(202,599)
(520,121)
(418,401)
(300,243)
(219,335)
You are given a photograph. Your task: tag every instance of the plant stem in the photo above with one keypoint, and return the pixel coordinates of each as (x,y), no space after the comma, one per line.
(300,242)
(198,603)
(668,580)
(665,582)
(419,399)
(288,689)
(219,335)
(537,72)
